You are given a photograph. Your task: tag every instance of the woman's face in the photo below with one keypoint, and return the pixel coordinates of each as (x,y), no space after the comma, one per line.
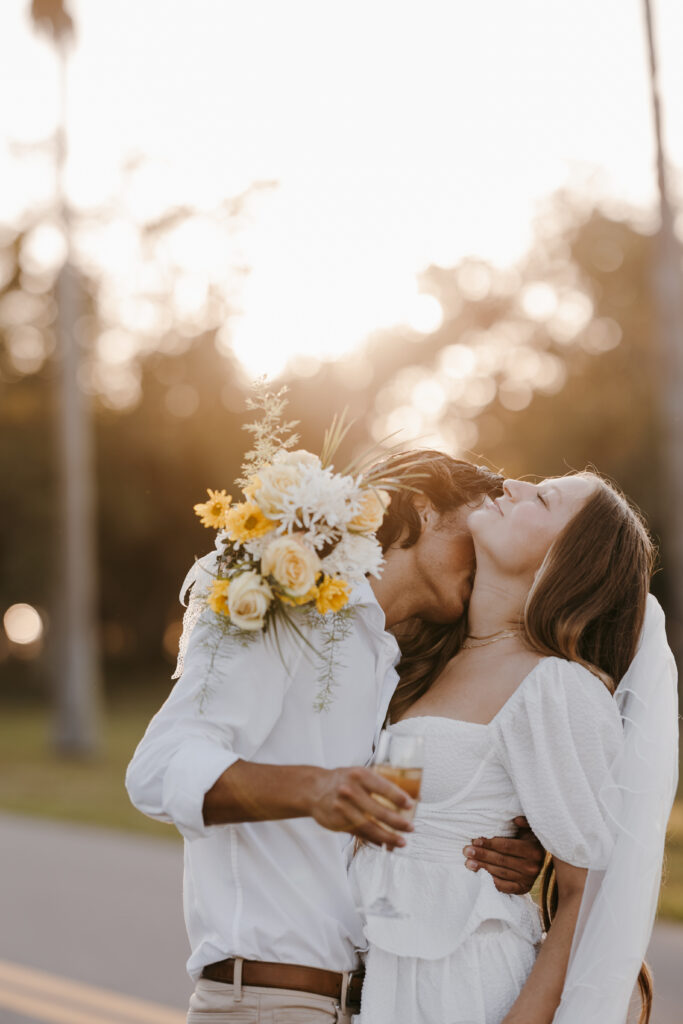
(517,529)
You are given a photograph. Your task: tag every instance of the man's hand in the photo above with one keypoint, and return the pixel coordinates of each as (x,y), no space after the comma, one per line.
(344,800)
(341,799)
(514,864)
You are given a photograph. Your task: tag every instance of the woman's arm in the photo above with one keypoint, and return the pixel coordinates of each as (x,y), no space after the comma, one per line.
(540,997)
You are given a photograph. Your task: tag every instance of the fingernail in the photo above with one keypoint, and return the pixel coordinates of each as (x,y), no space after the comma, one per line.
(470,851)
(477,842)
(471,865)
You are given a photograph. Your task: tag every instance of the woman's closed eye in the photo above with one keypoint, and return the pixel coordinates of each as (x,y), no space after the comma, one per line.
(542,499)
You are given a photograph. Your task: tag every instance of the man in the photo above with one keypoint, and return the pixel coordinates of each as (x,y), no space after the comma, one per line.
(248,772)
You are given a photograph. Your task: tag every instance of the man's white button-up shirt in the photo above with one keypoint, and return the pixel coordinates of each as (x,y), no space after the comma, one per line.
(271,890)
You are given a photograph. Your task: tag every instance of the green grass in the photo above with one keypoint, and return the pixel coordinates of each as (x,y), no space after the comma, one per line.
(671,895)
(35,781)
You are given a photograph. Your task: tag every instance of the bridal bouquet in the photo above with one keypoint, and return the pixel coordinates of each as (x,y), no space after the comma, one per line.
(302,533)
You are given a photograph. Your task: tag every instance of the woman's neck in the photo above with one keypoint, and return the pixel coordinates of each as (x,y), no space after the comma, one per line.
(497,603)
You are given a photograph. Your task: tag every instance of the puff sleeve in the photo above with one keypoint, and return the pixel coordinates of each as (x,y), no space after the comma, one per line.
(558,737)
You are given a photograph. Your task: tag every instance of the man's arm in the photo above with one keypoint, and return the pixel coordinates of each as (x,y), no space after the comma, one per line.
(193,766)
(513,863)
(340,799)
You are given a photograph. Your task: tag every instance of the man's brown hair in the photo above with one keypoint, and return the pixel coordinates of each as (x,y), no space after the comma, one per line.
(448,484)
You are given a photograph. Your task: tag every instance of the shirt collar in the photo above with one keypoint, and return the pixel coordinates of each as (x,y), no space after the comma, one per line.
(362,596)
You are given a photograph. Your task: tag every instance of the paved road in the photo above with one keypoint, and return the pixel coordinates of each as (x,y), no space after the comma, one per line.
(92,933)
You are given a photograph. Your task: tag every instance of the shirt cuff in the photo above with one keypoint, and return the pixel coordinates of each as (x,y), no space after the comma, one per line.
(191,772)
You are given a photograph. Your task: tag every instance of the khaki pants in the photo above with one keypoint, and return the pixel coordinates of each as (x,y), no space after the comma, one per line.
(213,1002)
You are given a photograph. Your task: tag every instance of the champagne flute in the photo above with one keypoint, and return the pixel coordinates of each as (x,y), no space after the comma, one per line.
(399,759)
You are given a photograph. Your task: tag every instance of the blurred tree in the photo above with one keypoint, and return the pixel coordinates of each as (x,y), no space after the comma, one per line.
(668,291)
(51,16)
(77,677)
(541,369)
(581,307)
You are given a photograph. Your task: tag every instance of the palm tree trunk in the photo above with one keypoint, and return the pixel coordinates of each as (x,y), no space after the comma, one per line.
(668,295)
(78,687)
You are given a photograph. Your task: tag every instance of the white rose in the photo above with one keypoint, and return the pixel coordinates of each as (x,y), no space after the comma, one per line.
(355,556)
(300,458)
(275,481)
(294,565)
(249,598)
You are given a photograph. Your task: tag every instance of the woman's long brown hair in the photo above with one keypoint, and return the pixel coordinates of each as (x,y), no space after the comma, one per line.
(587,604)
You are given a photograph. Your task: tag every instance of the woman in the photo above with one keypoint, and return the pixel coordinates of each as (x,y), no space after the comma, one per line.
(521,721)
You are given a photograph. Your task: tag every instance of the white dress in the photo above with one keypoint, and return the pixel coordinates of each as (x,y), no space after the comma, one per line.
(464,950)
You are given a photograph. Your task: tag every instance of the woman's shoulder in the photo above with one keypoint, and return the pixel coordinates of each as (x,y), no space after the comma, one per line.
(558,687)
(553,674)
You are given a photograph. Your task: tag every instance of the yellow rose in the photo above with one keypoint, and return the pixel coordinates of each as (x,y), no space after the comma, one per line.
(218,598)
(333,593)
(249,598)
(292,564)
(246,521)
(274,482)
(371,512)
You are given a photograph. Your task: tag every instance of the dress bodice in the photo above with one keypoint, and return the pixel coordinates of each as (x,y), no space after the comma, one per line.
(545,755)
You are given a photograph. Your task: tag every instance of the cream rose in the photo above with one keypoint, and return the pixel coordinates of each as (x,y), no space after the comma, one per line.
(274,481)
(293,564)
(249,598)
(369,516)
(300,457)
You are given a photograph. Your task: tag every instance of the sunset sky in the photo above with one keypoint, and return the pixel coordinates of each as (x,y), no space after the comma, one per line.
(399,134)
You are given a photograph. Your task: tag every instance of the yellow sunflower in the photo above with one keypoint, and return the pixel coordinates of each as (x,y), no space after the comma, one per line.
(214,511)
(246,521)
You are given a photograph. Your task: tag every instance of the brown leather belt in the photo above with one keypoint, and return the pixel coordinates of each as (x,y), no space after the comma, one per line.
(292,977)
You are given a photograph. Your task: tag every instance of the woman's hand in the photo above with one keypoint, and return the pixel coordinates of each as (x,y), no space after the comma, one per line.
(513,863)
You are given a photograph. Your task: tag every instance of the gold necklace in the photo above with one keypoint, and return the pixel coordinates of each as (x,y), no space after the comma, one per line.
(482,641)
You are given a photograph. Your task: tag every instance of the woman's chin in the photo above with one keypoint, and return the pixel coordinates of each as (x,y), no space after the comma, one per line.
(482,518)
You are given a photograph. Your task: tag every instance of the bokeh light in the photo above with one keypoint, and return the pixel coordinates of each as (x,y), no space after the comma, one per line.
(426,314)
(23,624)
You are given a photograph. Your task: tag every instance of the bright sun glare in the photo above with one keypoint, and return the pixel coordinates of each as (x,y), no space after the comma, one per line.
(416,141)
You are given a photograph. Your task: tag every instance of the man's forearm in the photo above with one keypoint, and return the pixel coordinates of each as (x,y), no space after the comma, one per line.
(355,800)
(261,792)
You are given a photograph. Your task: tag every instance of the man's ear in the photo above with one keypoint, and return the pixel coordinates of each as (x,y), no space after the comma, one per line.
(425,509)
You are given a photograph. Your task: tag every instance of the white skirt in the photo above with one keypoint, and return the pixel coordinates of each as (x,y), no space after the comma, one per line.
(476,984)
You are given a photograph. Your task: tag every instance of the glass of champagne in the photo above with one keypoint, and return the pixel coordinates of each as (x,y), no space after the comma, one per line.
(399,759)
